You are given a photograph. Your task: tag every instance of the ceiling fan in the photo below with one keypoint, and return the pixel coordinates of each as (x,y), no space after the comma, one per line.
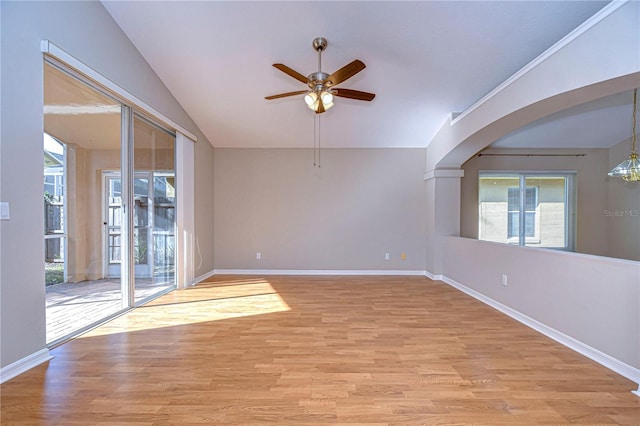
(319,96)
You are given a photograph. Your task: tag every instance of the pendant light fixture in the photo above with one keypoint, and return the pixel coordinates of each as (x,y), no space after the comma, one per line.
(629,169)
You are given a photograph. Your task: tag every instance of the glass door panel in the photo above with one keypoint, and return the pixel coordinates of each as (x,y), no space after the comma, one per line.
(82,139)
(164,243)
(154,211)
(141,226)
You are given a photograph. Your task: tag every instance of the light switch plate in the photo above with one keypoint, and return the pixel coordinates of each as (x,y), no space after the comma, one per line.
(4,210)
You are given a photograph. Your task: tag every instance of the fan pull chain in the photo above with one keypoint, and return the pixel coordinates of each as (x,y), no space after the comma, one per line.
(319,139)
(316,140)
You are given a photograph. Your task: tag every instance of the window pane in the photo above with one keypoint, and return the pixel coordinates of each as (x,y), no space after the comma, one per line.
(514,199)
(514,224)
(530,224)
(496,200)
(546,211)
(531,199)
(115,188)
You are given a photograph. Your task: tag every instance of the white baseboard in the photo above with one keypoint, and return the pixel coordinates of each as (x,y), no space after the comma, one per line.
(203,277)
(316,272)
(436,277)
(24,364)
(601,358)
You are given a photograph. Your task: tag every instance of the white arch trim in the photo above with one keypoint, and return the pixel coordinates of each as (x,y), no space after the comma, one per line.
(600,58)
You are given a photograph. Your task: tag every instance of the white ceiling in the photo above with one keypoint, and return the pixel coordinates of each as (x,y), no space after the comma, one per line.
(598,124)
(424,60)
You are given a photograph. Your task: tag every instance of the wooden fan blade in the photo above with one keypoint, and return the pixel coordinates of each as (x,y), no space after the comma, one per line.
(345,72)
(284,95)
(353,94)
(293,73)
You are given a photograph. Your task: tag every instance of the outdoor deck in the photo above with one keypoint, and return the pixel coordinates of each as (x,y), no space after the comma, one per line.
(72,306)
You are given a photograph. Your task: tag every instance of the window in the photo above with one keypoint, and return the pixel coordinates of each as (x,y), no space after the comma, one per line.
(532,209)
(53,168)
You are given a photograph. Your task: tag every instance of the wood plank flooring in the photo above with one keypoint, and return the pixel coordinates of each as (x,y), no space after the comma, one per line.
(317,350)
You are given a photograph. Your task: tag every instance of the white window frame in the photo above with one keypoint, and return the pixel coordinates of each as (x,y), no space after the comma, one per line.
(569,202)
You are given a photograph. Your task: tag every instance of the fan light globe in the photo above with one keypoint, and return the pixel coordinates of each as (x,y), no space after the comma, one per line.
(327,100)
(312,101)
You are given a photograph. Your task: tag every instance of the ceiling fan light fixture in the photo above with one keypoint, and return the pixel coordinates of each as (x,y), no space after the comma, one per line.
(320,95)
(629,169)
(313,100)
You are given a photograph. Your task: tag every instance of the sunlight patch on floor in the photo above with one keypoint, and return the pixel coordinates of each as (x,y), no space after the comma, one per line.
(199,304)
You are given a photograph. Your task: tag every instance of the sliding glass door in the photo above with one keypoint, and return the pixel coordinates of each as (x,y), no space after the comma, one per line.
(100,157)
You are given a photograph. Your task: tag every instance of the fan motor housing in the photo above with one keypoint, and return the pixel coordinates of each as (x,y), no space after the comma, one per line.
(317,78)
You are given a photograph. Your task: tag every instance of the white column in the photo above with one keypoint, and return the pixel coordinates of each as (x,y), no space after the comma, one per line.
(443,214)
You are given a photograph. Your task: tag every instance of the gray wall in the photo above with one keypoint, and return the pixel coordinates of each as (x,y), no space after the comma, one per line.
(86,31)
(622,214)
(597,232)
(343,216)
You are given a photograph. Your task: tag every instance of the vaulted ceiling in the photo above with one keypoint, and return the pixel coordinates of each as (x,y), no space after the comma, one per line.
(424,61)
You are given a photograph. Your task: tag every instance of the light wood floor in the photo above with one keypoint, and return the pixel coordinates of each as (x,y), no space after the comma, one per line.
(321,350)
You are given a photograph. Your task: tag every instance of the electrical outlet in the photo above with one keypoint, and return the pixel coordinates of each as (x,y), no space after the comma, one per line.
(386,256)
(403,256)
(258,256)
(504,280)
